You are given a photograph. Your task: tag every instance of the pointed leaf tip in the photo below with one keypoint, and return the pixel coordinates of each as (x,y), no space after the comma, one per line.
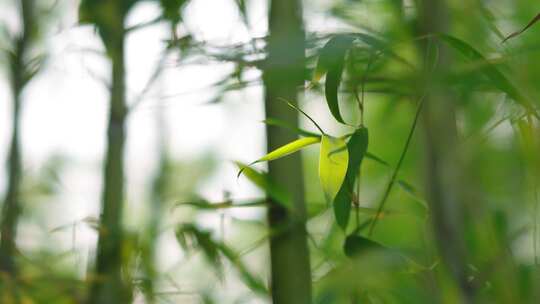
(289,148)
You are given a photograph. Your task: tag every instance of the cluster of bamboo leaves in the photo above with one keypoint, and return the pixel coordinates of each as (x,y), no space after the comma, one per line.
(346,60)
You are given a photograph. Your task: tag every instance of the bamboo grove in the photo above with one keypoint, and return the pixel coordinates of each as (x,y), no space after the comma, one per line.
(402,158)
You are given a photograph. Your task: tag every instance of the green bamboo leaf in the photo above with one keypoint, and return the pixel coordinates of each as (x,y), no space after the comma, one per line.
(333,163)
(192,237)
(356,245)
(489,70)
(331,61)
(263,181)
(288,149)
(357,147)
(531,23)
(331,54)
(331,86)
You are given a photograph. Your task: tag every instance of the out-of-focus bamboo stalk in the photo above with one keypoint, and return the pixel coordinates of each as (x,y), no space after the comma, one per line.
(444,180)
(283,76)
(108,285)
(12,206)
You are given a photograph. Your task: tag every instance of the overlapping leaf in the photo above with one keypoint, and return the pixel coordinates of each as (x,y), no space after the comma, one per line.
(357,147)
(333,163)
(331,61)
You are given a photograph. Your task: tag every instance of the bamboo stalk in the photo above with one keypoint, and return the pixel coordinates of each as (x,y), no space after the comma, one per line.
(443,164)
(283,75)
(11,209)
(108,285)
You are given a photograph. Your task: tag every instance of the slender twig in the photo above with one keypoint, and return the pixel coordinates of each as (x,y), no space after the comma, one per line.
(153,78)
(144,24)
(398,166)
(304,113)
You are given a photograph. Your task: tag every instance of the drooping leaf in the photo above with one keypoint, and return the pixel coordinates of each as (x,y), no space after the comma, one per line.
(333,163)
(289,148)
(331,54)
(331,86)
(331,61)
(192,237)
(249,279)
(356,147)
(490,71)
(263,181)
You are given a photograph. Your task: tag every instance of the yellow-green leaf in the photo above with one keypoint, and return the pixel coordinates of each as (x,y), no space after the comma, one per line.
(333,163)
(289,148)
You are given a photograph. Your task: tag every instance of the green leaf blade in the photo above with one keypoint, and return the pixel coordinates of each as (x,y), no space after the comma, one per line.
(489,70)
(357,147)
(356,245)
(333,163)
(289,148)
(263,181)
(331,62)
(331,86)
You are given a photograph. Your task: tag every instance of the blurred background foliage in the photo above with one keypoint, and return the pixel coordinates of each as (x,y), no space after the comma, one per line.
(195,232)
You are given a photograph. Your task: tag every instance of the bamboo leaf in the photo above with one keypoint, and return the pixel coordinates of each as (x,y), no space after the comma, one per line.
(490,71)
(531,23)
(331,61)
(333,163)
(288,149)
(332,53)
(331,86)
(357,147)
(356,245)
(262,180)
(190,236)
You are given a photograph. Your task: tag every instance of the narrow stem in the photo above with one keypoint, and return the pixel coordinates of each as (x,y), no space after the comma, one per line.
(398,166)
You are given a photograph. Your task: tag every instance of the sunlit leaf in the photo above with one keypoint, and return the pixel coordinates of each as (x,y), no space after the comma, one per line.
(356,147)
(262,180)
(289,148)
(333,163)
